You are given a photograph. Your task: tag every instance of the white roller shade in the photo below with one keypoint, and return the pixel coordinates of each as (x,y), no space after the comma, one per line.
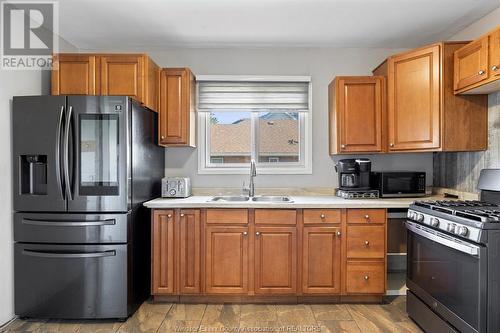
(269,96)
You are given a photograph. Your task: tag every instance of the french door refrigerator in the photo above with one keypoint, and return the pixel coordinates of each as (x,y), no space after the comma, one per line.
(83,166)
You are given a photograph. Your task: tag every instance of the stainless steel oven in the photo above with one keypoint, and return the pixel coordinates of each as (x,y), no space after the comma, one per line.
(449,274)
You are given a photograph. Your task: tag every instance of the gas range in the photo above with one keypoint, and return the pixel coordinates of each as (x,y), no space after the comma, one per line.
(466,219)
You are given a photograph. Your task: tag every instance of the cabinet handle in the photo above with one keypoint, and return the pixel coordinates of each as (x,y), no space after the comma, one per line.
(257,233)
(481,72)
(169,216)
(245,233)
(182,214)
(367,243)
(163,137)
(494,68)
(367,216)
(367,277)
(322,216)
(391,144)
(338,233)
(342,146)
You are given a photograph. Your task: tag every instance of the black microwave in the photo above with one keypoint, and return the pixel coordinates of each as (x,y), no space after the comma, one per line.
(398,184)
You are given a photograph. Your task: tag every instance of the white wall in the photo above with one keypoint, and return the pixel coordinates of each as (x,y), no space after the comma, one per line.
(480,27)
(323,64)
(13,83)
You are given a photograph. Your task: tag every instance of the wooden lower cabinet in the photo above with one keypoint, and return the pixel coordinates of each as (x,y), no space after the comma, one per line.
(226,256)
(189,252)
(162,252)
(321,260)
(275,260)
(263,253)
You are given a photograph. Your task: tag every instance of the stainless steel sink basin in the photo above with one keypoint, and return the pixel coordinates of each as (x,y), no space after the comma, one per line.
(230,198)
(270,198)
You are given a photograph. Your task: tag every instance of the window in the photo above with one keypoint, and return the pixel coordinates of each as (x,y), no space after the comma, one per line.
(266,119)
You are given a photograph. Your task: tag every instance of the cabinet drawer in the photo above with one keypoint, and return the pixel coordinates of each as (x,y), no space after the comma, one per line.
(373,216)
(227,216)
(366,241)
(365,277)
(321,216)
(276,216)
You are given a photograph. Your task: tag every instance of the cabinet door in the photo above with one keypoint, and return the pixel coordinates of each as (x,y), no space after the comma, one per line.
(162,277)
(360,105)
(495,53)
(414,100)
(226,260)
(74,74)
(471,64)
(175,106)
(189,252)
(321,260)
(122,75)
(275,260)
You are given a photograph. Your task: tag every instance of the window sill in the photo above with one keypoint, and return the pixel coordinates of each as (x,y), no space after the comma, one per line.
(260,171)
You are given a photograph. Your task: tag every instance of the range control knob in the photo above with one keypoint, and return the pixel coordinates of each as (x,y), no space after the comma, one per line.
(451,227)
(434,222)
(462,231)
(419,217)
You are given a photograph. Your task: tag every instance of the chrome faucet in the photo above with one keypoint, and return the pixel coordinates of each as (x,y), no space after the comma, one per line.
(253,173)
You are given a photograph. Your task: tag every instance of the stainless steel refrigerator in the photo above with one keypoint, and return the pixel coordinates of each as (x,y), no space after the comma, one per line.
(83,166)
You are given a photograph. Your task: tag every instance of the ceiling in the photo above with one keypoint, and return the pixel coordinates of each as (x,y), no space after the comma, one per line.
(157,24)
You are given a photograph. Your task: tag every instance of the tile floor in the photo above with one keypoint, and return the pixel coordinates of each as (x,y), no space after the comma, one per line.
(170,318)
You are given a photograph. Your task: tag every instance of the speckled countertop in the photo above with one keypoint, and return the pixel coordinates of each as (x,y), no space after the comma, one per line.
(199,201)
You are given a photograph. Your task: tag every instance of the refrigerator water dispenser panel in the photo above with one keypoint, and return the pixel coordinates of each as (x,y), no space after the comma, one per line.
(33,174)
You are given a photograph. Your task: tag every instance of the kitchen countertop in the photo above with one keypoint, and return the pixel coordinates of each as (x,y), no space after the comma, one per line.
(298,202)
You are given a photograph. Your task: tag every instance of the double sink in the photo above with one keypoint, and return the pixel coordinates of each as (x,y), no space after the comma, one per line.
(241,198)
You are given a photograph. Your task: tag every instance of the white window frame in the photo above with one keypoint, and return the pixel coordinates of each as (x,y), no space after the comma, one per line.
(305,122)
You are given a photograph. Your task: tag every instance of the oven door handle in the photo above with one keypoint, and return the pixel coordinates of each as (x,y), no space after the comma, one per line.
(469,249)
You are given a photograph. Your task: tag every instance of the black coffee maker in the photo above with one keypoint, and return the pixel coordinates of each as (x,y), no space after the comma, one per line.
(354,174)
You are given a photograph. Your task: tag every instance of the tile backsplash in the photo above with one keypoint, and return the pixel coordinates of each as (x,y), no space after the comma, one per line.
(460,171)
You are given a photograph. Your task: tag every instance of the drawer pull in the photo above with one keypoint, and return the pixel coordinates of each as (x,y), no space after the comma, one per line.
(169,216)
(367,216)
(245,233)
(343,146)
(182,214)
(322,216)
(367,243)
(481,72)
(257,233)
(338,233)
(367,277)
(494,68)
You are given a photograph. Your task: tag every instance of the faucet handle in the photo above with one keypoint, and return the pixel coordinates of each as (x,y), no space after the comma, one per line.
(244,189)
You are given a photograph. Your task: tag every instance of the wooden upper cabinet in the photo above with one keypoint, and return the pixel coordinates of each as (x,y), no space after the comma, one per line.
(494,54)
(162,252)
(423,113)
(134,75)
(471,64)
(226,260)
(321,260)
(189,251)
(275,260)
(177,114)
(357,108)
(477,65)
(122,75)
(414,100)
(75,74)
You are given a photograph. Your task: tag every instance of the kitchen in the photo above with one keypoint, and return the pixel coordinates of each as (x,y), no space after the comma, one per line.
(267,246)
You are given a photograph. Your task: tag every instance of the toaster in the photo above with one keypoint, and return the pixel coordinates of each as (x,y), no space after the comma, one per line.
(175,187)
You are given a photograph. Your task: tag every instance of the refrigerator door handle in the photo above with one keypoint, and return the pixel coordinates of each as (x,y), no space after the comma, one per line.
(59,175)
(69,223)
(67,180)
(69,255)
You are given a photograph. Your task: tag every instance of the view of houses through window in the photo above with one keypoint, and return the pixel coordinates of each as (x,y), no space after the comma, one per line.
(272,137)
